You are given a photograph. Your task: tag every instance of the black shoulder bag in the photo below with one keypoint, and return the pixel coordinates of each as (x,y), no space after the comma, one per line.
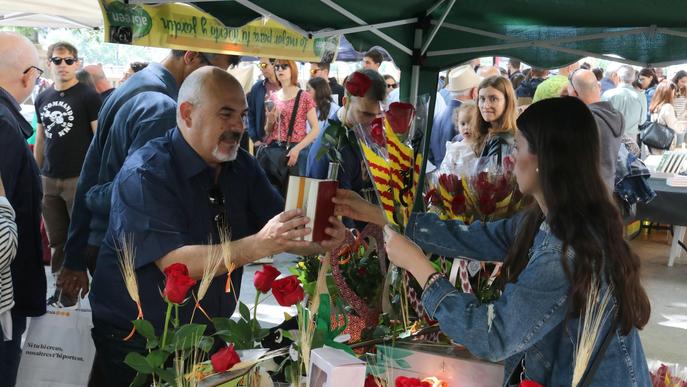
(657,136)
(272,157)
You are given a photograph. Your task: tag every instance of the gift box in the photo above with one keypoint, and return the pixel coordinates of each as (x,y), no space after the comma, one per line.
(453,365)
(330,367)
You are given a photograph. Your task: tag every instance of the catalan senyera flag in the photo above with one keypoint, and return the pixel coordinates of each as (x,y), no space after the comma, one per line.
(395,178)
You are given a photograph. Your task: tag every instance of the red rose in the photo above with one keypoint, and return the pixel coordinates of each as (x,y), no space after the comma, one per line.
(262,280)
(377,132)
(432,197)
(400,116)
(403,381)
(370,381)
(288,291)
(451,183)
(529,383)
(177,283)
(486,205)
(458,204)
(358,84)
(224,359)
(508,163)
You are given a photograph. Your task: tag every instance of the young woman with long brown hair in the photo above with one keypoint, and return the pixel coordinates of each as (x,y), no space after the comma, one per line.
(496,121)
(555,253)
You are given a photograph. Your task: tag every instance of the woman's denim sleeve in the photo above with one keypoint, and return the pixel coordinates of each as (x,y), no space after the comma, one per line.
(451,238)
(526,311)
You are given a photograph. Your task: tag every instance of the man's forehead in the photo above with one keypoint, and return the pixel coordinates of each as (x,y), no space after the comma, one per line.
(370,106)
(62,51)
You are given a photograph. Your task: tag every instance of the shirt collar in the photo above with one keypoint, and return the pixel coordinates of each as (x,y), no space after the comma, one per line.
(188,161)
(166,77)
(7,96)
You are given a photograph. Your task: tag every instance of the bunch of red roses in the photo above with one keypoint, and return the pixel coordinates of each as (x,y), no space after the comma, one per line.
(287,291)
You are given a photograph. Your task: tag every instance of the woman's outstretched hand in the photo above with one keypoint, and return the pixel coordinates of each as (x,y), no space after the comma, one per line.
(351,205)
(407,255)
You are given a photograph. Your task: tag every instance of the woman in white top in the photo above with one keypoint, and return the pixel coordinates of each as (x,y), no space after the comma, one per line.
(680,81)
(8,249)
(662,106)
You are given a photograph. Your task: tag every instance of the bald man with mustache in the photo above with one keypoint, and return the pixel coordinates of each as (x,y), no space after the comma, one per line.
(174,195)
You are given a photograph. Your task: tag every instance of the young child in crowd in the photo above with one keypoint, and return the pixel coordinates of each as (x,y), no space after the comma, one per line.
(467,142)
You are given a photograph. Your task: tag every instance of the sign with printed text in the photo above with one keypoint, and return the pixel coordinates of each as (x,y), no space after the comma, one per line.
(185,27)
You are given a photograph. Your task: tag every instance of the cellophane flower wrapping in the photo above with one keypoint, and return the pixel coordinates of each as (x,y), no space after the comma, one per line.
(470,189)
(667,375)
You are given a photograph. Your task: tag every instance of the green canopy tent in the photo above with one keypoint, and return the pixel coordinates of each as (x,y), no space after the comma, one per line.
(427,36)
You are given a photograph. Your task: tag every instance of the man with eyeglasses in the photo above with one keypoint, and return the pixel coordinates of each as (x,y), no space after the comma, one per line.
(21,179)
(174,195)
(67,119)
(321,70)
(257,96)
(141,109)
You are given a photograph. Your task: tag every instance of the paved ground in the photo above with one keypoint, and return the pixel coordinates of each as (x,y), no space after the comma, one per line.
(664,338)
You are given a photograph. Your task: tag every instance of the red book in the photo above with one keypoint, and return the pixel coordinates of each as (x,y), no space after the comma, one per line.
(314,197)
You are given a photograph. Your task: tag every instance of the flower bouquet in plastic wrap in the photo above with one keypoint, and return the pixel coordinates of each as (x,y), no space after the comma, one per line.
(479,189)
(391,148)
(667,374)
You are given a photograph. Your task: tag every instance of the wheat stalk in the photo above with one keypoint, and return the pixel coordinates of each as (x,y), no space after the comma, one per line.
(126,254)
(225,252)
(212,262)
(307,330)
(594,319)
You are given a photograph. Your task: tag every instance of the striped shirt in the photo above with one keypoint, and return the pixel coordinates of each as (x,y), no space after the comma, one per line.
(8,249)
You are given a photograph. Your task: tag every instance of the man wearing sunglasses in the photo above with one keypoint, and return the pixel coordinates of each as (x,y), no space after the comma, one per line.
(141,109)
(322,70)
(173,195)
(21,179)
(257,96)
(67,119)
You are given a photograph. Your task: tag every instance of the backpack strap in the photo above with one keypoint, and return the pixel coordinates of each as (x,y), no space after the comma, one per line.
(292,121)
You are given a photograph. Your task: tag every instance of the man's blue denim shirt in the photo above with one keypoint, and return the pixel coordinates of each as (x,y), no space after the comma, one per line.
(144,116)
(161,201)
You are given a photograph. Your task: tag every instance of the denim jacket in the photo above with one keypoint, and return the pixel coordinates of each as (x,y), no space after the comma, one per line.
(529,323)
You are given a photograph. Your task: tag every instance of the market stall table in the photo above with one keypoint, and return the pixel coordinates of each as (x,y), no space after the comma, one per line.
(669,207)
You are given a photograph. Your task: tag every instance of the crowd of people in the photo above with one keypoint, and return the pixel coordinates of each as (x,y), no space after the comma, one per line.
(160,158)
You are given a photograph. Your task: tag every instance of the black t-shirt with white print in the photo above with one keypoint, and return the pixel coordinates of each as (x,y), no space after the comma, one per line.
(66,118)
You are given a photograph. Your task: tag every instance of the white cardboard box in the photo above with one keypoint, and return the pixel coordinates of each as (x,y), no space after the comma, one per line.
(453,365)
(330,367)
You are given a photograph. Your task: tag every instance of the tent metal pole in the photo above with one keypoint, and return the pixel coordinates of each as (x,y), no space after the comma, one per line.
(256,8)
(593,55)
(434,31)
(434,7)
(415,72)
(666,64)
(513,39)
(360,21)
(325,34)
(518,43)
(668,31)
